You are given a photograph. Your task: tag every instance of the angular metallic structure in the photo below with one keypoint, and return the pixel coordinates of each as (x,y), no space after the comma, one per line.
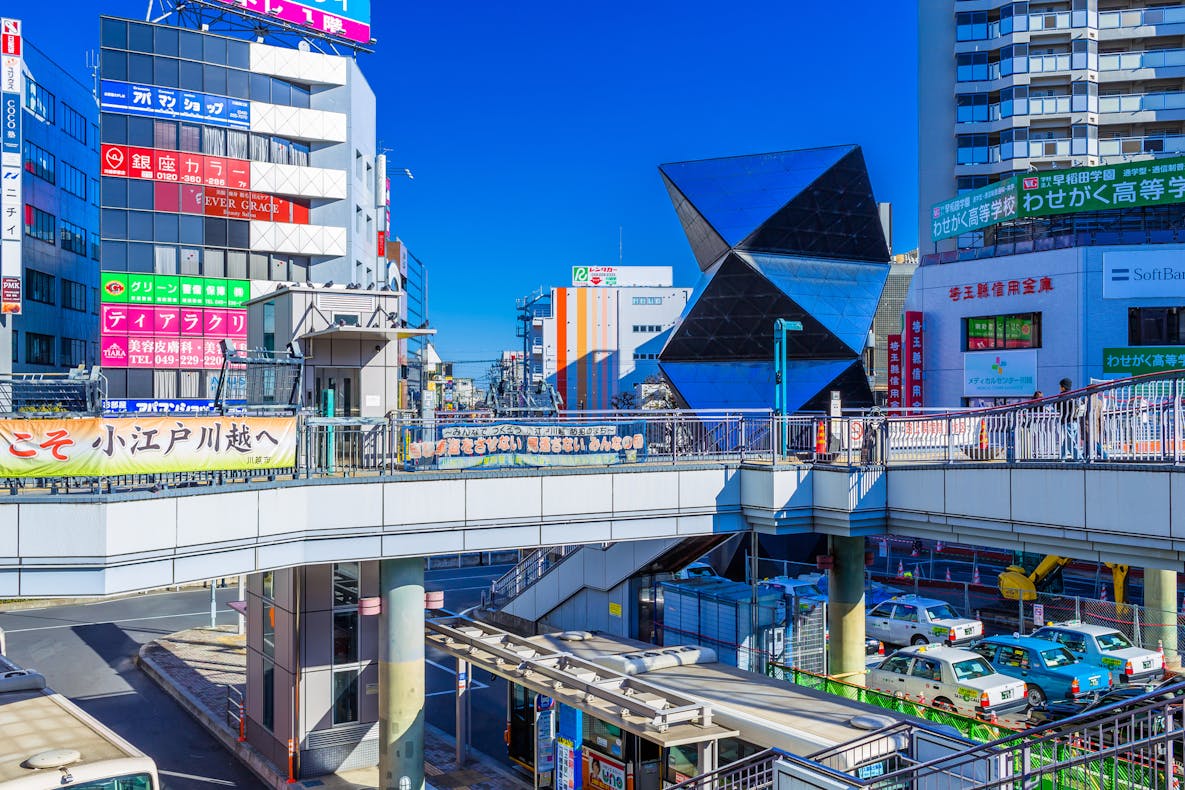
(793,235)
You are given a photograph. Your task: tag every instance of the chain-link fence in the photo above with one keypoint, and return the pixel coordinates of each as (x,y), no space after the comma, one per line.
(808,643)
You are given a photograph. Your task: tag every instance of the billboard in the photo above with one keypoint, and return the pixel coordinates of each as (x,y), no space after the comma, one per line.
(1133,274)
(11,215)
(507,444)
(1155,182)
(345,19)
(1000,374)
(153,101)
(1128,361)
(183,167)
(98,446)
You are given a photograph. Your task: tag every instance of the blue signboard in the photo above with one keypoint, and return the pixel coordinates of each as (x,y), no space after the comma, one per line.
(156,102)
(10,113)
(120,406)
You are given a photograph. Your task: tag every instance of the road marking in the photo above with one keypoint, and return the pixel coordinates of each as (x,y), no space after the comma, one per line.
(208,779)
(113,622)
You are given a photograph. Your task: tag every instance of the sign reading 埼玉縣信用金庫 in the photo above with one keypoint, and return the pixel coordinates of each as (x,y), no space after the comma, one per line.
(1127,361)
(97,447)
(1155,182)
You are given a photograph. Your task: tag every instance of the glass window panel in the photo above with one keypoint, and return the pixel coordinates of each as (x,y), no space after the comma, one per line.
(237,84)
(191,138)
(165,228)
(215,232)
(115,192)
(114,223)
(238,54)
(140,131)
(269,695)
(114,128)
(164,71)
(140,225)
(139,68)
(261,87)
(215,50)
(300,96)
(115,65)
(236,265)
(191,230)
(141,195)
(166,197)
(345,696)
(115,256)
(345,583)
(269,628)
(166,259)
(190,76)
(345,637)
(140,37)
(191,257)
(281,92)
(189,44)
(257,266)
(238,234)
(214,140)
(214,263)
(165,40)
(164,135)
(114,33)
(215,77)
(140,257)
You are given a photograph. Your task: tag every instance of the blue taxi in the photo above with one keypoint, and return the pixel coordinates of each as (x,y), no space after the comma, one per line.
(1050,671)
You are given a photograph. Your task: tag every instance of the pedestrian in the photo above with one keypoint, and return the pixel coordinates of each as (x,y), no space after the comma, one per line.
(1038,395)
(1070,411)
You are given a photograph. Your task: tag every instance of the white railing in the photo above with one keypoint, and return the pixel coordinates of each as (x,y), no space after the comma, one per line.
(1155,59)
(1041,63)
(1141,17)
(1138,102)
(1125,146)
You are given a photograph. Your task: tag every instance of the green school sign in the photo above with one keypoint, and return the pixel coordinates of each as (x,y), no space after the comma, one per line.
(1155,182)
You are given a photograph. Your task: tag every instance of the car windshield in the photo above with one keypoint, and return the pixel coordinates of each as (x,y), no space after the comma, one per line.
(1113,641)
(971,669)
(1058,657)
(942,612)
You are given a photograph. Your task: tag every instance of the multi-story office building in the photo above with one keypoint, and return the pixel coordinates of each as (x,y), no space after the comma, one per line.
(1008,87)
(227,166)
(1052,195)
(603,338)
(51,217)
(887,319)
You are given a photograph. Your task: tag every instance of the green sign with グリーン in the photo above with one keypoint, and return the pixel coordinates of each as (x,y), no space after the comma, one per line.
(167,289)
(1135,361)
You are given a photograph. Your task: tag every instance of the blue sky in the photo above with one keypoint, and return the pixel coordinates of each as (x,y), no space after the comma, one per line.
(534,130)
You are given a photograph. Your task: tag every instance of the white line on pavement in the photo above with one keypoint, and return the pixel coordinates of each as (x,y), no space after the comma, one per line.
(112,622)
(208,779)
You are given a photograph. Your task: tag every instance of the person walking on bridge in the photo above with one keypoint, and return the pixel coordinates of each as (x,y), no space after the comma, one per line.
(1070,411)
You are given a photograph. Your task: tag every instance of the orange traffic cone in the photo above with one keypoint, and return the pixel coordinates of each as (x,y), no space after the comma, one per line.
(983,437)
(821,438)
(1160,649)
(993,718)
(900,569)
(948,574)
(1103,594)
(975,576)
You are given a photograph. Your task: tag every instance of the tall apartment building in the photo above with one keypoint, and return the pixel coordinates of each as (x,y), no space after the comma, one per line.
(50,210)
(602,338)
(227,166)
(1051,194)
(1041,85)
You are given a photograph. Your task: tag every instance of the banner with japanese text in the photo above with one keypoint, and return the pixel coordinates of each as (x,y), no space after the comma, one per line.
(1128,361)
(508,444)
(98,447)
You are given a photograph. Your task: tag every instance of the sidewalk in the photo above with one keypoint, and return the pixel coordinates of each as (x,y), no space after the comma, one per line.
(193,666)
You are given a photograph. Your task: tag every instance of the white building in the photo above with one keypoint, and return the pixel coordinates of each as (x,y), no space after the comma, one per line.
(604,333)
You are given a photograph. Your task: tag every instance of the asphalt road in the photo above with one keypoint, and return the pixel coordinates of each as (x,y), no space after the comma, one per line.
(85,651)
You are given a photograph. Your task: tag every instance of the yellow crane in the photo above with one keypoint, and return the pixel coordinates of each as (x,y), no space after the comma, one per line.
(1018,584)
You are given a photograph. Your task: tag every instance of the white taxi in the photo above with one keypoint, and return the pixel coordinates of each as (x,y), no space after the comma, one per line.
(949,678)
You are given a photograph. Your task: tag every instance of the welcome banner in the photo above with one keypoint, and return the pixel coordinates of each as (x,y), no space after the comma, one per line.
(97,447)
(505,444)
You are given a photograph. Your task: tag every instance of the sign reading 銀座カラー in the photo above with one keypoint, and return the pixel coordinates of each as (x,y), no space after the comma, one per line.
(97,447)
(974,210)
(1136,361)
(516,444)
(1155,182)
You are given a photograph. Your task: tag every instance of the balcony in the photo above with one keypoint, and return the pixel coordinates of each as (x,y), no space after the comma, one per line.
(1049,105)
(1141,102)
(1043,149)
(1141,17)
(1046,63)
(1057,20)
(1131,146)
(1156,59)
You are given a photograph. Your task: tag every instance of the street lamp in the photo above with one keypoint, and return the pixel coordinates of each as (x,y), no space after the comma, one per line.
(782,329)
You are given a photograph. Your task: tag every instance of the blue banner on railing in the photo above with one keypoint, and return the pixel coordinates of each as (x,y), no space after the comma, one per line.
(508,444)
(198,406)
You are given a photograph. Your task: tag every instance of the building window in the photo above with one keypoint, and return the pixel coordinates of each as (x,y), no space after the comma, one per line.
(73,352)
(971,26)
(647,328)
(40,162)
(73,296)
(986,333)
(641,355)
(1155,326)
(646,300)
(73,180)
(346,587)
(39,101)
(40,287)
(73,238)
(73,123)
(40,224)
(38,349)
(269,694)
(345,696)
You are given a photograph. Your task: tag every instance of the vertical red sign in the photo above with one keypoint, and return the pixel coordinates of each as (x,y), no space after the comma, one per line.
(915,360)
(896,379)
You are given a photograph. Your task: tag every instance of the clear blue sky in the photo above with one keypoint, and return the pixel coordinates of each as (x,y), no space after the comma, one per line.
(534,129)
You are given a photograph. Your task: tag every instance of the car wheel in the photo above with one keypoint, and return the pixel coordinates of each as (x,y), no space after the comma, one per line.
(1037,697)
(919,640)
(942,703)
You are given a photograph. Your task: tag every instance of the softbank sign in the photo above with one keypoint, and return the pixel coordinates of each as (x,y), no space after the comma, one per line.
(1148,273)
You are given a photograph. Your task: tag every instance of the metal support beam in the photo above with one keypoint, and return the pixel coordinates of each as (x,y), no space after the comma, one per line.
(401,675)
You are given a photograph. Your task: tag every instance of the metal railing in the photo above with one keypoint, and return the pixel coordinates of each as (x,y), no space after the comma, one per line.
(528,570)
(754,772)
(236,712)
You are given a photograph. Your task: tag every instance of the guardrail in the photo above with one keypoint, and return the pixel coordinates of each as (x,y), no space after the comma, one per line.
(1132,421)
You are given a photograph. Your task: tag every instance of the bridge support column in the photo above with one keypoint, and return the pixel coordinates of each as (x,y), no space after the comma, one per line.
(845,609)
(1160,607)
(401,675)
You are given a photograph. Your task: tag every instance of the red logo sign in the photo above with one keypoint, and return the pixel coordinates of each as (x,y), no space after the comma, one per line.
(114,287)
(114,161)
(10,37)
(1031,183)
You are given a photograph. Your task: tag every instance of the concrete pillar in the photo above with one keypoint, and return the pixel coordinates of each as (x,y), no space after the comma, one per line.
(1160,612)
(401,675)
(845,609)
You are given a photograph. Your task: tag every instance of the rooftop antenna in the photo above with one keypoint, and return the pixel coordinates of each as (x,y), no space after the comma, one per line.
(92,65)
